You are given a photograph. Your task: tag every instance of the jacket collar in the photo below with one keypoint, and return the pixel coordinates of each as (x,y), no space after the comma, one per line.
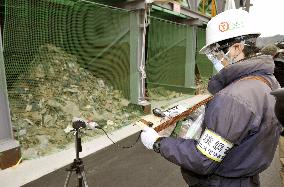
(258,65)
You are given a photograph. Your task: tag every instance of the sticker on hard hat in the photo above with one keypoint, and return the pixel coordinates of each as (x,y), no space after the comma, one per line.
(213,146)
(225,26)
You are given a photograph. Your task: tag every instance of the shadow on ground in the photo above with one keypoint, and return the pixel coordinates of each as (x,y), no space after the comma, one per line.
(118,167)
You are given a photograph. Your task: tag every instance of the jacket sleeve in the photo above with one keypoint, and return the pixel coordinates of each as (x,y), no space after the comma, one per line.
(225,116)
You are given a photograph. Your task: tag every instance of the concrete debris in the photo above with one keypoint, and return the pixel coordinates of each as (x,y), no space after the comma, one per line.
(68,129)
(161,93)
(51,92)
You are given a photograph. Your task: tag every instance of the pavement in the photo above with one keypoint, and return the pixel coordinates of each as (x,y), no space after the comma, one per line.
(135,167)
(108,165)
(271,177)
(120,167)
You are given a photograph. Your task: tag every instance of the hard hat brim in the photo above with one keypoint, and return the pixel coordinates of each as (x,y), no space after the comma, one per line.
(203,49)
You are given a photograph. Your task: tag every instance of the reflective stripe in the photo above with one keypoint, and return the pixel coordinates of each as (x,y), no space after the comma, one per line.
(213,146)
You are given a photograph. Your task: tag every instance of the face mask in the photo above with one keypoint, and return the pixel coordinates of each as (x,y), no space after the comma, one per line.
(217,63)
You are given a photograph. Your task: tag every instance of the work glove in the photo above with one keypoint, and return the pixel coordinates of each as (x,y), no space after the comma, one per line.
(148,137)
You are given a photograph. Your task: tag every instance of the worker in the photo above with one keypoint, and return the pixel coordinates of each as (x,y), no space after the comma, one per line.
(277,55)
(240,130)
(273,50)
(270,49)
(279,111)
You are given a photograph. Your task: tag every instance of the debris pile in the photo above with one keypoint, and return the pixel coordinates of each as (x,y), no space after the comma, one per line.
(201,85)
(161,93)
(52,91)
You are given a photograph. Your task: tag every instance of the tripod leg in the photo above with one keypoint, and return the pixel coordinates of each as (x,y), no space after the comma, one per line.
(67,178)
(84,178)
(80,180)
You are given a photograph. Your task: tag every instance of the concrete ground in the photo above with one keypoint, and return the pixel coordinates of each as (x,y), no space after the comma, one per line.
(271,176)
(113,166)
(107,165)
(135,167)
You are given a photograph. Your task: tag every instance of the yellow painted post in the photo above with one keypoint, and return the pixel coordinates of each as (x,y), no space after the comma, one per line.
(213,9)
(203,7)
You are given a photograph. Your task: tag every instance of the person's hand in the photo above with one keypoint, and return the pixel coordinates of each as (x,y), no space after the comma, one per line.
(148,137)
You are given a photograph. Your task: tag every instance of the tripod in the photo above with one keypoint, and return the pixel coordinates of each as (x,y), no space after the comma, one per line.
(77,165)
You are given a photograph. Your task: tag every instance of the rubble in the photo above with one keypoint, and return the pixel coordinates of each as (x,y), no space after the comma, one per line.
(161,93)
(201,85)
(52,91)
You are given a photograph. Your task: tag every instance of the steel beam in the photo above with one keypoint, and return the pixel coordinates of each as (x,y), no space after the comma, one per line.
(190,57)
(137,57)
(184,11)
(248,5)
(132,5)
(9,148)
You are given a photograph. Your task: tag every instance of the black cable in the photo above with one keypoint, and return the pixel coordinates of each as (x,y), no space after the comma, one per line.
(130,146)
(124,147)
(106,135)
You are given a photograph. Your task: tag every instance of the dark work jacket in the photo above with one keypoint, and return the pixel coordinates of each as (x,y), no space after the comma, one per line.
(242,112)
(279,71)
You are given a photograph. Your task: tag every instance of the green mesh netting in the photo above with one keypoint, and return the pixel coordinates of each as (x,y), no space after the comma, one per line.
(65,58)
(97,36)
(166,55)
(205,67)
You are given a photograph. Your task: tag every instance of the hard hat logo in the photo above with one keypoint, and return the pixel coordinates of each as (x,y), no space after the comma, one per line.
(224,26)
(238,25)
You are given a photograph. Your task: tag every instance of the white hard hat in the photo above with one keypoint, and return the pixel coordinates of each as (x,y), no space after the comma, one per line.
(229,24)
